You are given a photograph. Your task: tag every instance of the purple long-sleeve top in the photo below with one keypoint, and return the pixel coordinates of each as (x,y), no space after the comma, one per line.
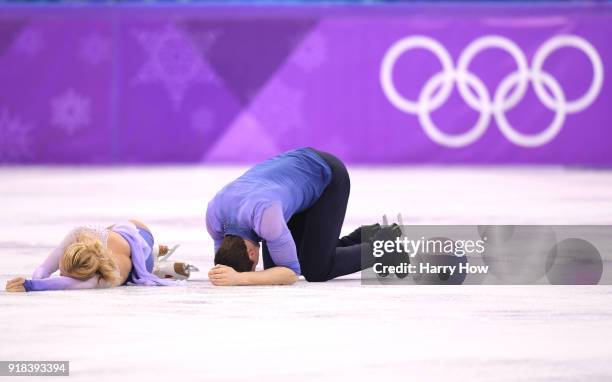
(258,205)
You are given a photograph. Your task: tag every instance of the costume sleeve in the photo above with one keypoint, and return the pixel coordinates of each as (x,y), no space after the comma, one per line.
(51,263)
(213,226)
(273,229)
(61,282)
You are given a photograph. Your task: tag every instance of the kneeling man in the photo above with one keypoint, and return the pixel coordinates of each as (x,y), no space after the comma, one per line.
(294,205)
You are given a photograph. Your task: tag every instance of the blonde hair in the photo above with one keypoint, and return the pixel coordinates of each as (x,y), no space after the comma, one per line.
(86,257)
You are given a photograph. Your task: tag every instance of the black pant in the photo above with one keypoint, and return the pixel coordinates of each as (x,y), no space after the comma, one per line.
(321,254)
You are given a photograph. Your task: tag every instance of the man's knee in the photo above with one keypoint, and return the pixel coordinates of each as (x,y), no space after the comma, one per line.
(315,276)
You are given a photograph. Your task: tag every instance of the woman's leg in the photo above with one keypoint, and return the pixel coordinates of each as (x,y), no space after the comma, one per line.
(163,249)
(140,224)
(321,258)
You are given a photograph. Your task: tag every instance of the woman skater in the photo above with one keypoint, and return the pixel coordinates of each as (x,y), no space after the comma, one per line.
(294,204)
(98,258)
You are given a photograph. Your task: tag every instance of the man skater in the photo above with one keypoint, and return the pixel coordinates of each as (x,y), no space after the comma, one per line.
(295,205)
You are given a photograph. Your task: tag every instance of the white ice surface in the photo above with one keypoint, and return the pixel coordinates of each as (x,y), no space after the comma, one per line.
(329,331)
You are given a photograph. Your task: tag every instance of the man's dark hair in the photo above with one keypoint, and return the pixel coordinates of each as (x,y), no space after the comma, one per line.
(233,253)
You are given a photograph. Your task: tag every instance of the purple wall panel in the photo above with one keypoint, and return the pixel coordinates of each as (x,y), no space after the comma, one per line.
(142,84)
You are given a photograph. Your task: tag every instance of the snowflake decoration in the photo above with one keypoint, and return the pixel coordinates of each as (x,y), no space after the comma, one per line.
(95,49)
(14,137)
(29,42)
(312,53)
(173,60)
(205,40)
(70,111)
(202,120)
(282,111)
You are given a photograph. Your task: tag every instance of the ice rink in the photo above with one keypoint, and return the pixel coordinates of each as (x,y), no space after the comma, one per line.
(328,331)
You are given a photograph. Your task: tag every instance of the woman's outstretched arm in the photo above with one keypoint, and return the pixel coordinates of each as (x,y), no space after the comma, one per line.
(53,283)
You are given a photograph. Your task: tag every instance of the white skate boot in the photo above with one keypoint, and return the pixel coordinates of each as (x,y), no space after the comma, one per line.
(165,269)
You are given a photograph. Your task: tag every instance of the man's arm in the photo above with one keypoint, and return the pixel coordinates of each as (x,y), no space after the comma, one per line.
(213,227)
(273,229)
(224,275)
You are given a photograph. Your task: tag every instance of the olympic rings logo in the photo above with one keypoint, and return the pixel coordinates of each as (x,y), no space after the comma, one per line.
(503,100)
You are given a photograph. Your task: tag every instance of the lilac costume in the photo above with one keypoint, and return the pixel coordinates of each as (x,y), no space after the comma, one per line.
(140,242)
